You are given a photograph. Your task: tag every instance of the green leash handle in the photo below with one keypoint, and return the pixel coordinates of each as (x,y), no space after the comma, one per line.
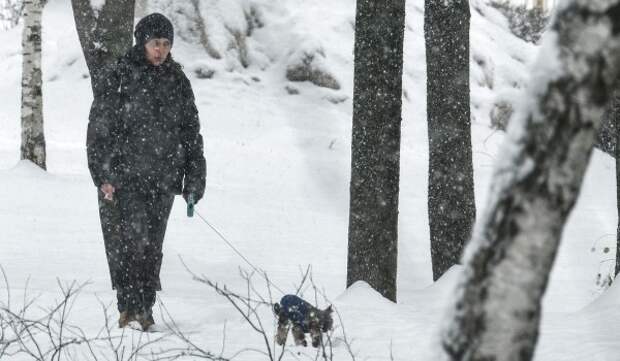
(190,205)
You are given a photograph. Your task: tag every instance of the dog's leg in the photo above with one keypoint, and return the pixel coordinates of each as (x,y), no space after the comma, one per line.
(315,334)
(281,335)
(299,336)
(282,330)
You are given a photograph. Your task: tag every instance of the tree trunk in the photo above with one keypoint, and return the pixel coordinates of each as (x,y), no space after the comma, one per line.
(497,305)
(33,138)
(105,34)
(451,200)
(375,146)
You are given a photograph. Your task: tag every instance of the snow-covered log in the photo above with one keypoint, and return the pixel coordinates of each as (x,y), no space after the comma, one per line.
(309,64)
(497,307)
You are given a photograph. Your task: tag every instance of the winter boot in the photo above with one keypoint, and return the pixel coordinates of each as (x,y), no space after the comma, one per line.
(145,319)
(124,319)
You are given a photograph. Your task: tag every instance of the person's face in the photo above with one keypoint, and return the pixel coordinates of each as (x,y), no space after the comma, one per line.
(157,50)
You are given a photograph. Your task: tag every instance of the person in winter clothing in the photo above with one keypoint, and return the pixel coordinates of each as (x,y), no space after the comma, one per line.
(144,147)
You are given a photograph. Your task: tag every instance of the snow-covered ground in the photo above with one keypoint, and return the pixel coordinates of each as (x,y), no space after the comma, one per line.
(277,188)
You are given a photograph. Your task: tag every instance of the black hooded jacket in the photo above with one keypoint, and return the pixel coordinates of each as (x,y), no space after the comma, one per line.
(143,131)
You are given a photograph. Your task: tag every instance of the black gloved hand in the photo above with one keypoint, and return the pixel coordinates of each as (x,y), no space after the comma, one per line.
(191,202)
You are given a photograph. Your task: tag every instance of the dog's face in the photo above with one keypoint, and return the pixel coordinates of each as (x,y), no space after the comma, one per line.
(325,319)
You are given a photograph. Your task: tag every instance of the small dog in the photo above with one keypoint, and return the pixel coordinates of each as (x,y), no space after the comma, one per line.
(304,318)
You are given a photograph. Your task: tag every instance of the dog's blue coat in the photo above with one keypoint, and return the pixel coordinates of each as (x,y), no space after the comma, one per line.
(295,309)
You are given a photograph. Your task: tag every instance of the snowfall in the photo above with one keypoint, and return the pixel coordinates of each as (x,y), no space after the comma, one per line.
(278,190)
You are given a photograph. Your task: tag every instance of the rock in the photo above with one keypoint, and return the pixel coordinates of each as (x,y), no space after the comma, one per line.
(309,67)
(500,114)
(291,90)
(204,73)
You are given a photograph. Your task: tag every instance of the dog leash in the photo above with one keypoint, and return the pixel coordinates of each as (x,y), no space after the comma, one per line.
(262,273)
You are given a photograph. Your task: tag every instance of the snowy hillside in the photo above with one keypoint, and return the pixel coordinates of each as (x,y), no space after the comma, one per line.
(278,158)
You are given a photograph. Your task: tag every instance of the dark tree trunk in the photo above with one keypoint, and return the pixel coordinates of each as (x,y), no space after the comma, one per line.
(33,136)
(105,34)
(375,147)
(451,201)
(497,304)
(606,137)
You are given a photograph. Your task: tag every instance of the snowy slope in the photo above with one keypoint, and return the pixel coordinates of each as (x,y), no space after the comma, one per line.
(277,187)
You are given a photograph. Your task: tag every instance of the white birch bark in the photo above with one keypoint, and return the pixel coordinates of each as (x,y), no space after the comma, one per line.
(33,139)
(497,306)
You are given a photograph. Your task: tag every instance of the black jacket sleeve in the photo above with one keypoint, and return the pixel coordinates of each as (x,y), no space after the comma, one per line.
(102,133)
(195,163)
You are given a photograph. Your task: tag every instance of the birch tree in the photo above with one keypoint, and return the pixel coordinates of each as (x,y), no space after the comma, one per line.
(375,146)
(105,33)
(451,200)
(497,305)
(33,138)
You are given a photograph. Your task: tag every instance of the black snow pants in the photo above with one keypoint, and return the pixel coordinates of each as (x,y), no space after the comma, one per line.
(133,226)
